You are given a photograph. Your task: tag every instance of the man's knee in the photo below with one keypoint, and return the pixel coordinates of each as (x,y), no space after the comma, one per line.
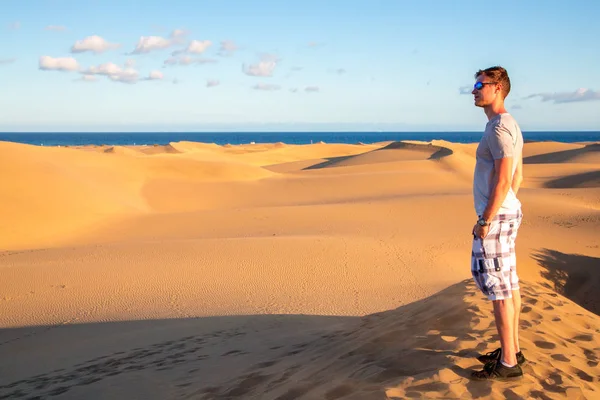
(503,304)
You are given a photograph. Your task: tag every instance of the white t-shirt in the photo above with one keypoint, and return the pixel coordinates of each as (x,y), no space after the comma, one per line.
(502,138)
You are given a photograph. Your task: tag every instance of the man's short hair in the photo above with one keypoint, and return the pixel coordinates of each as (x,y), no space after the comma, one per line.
(497,74)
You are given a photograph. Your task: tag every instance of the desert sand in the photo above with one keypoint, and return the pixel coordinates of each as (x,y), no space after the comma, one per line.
(278,271)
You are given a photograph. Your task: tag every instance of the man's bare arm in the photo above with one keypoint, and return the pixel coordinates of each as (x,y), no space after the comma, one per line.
(501,184)
(518,178)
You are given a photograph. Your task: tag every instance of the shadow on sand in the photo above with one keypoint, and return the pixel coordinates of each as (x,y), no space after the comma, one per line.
(561,156)
(264,356)
(575,276)
(584,180)
(438,152)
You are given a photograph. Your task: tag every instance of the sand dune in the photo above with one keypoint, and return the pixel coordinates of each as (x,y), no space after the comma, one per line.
(270,155)
(158,149)
(396,151)
(425,349)
(282,271)
(54,194)
(589,154)
(122,150)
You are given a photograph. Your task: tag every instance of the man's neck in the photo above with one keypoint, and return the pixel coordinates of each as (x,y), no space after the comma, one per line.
(494,110)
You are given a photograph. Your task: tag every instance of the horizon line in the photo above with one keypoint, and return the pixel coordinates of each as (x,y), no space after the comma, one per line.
(287,131)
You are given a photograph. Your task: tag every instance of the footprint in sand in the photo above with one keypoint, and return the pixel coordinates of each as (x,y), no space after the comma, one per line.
(592,358)
(531,301)
(544,345)
(560,357)
(265,364)
(582,375)
(88,381)
(284,377)
(232,352)
(585,338)
(526,324)
(58,390)
(553,382)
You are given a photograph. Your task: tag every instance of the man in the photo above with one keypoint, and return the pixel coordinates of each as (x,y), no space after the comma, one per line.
(498,175)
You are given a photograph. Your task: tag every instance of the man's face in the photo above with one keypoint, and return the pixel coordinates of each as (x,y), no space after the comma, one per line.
(484,91)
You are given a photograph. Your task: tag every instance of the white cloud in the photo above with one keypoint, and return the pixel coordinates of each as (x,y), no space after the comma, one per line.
(198,46)
(314,44)
(114,72)
(7,60)
(266,86)
(147,44)
(312,89)
(465,89)
(263,68)
(297,68)
(187,60)
(212,83)
(228,47)
(95,44)
(581,94)
(128,75)
(130,63)
(155,76)
(104,69)
(55,28)
(48,63)
(14,25)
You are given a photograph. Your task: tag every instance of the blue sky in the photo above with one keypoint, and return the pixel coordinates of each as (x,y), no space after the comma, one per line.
(293,65)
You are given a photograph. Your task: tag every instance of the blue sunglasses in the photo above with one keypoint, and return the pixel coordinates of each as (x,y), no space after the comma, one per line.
(479,85)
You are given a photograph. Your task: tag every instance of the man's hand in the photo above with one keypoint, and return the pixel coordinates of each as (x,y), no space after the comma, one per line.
(481,231)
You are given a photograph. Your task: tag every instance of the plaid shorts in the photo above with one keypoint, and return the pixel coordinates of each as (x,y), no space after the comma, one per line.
(493,258)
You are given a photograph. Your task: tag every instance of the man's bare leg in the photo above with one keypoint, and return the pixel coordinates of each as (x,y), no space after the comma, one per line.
(504,314)
(516,297)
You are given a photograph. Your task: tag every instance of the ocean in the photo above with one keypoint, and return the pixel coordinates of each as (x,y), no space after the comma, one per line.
(221,138)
